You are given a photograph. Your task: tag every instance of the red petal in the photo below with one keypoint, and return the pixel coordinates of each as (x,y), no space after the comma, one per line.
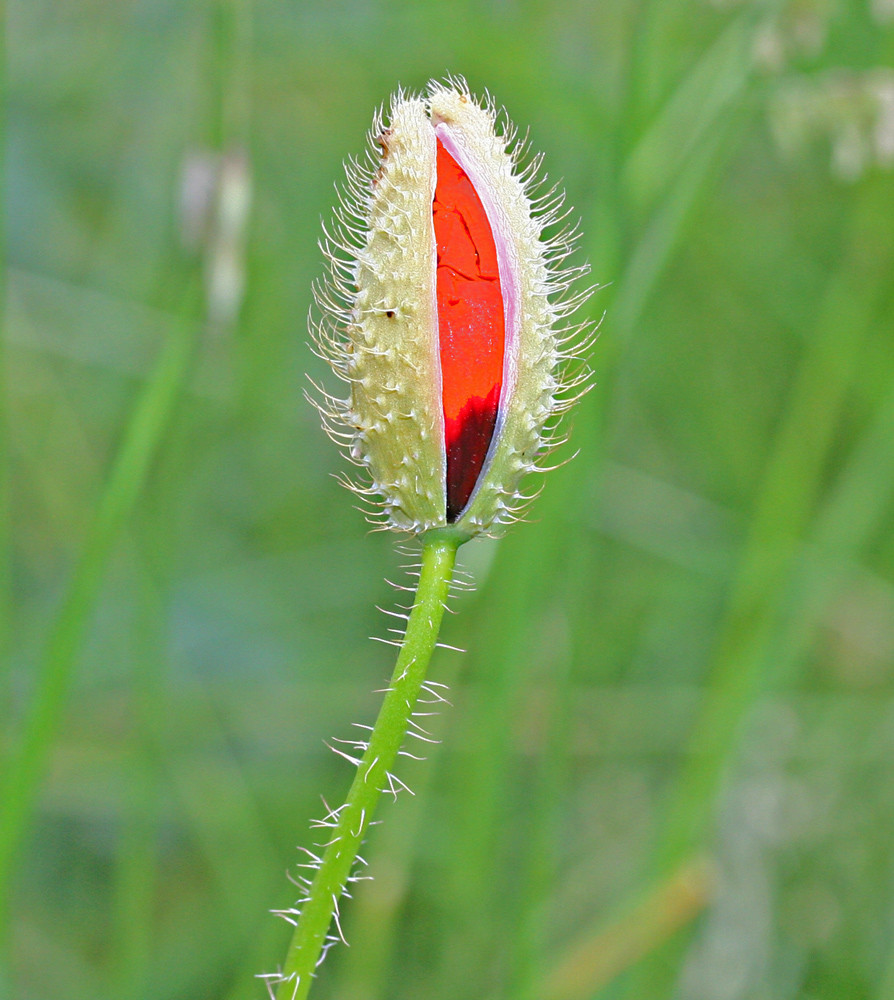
(471,328)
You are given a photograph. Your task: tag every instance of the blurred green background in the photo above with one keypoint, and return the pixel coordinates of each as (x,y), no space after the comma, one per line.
(667,769)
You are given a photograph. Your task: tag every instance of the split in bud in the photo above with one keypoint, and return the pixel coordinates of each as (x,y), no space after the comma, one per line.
(443,314)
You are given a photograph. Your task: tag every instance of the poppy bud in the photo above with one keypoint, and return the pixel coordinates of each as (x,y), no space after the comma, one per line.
(442,313)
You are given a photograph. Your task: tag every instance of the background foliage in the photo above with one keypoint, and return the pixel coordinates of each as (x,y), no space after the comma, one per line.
(667,768)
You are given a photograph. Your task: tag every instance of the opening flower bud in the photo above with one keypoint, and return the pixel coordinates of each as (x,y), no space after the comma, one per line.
(443,313)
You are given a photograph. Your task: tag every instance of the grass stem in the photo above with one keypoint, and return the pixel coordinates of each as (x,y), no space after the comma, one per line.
(127,476)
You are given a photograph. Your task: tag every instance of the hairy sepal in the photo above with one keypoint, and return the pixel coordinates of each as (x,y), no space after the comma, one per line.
(379,329)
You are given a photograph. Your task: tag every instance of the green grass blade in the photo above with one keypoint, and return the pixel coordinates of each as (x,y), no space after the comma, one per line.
(784,508)
(126,477)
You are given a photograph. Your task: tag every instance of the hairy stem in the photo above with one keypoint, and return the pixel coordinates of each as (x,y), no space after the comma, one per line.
(349,823)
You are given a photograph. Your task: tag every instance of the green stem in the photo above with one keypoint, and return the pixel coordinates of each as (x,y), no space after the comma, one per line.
(350,822)
(23,772)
